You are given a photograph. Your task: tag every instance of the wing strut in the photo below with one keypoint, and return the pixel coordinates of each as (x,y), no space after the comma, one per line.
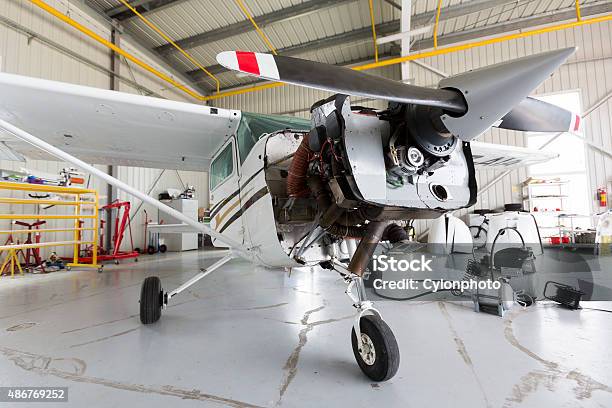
(54,151)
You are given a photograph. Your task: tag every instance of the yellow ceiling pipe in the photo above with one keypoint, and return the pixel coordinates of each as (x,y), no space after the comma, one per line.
(169,40)
(113,47)
(435,32)
(373,30)
(259,31)
(578,15)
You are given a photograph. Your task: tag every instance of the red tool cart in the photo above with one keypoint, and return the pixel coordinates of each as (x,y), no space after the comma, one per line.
(121,222)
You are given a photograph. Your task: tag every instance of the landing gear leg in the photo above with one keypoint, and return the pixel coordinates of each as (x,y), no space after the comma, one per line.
(374,344)
(153,299)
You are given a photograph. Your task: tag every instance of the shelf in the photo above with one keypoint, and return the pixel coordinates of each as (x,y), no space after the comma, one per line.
(557,183)
(561,197)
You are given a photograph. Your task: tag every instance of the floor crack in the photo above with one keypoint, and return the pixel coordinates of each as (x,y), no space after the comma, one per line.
(462,350)
(73,369)
(549,377)
(290,367)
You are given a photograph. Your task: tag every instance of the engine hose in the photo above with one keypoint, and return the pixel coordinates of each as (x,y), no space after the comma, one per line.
(296,179)
(394,234)
(331,213)
(346,232)
(351,218)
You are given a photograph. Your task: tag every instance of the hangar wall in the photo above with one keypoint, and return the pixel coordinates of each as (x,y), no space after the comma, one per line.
(29,40)
(589,71)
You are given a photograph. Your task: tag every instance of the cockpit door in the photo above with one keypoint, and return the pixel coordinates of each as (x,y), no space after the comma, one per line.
(224,176)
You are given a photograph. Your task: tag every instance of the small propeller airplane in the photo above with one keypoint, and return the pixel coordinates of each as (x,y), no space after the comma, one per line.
(288,192)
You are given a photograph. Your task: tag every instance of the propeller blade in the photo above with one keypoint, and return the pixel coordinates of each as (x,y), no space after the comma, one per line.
(337,79)
(534,115)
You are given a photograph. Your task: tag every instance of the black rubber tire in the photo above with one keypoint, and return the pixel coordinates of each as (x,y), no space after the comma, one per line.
(387,359)
(150,250)
(163,248)
(151,296)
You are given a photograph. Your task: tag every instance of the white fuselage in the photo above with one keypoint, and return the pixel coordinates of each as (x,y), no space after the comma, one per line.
(242,209)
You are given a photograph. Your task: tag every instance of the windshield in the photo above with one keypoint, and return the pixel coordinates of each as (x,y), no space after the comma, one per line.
(253,125)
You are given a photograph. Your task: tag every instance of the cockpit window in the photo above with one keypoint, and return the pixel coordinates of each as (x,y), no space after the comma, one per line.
(222,167)
(253,125)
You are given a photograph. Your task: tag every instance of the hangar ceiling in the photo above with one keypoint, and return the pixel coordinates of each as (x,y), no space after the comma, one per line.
(331,31)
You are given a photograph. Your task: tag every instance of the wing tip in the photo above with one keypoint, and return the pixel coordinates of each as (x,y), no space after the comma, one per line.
(228,59)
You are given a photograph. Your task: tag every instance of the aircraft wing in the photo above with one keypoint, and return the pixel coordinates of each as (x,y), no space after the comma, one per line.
(107,127)
(490,156)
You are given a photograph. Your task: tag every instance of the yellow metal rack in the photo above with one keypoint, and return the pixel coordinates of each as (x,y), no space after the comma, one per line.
(79,197)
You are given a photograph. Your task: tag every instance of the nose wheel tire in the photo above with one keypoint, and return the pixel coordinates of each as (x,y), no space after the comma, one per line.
(379,357)
(151,298)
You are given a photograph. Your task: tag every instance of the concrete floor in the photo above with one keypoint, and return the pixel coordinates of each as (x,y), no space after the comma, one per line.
(247,336)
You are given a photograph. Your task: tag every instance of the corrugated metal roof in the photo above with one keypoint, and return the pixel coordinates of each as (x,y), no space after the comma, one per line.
(186,18)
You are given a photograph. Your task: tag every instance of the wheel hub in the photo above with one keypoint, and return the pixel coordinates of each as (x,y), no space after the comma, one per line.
(367,351)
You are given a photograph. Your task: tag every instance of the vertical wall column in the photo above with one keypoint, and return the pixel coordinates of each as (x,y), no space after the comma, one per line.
(405,26)
(111,192)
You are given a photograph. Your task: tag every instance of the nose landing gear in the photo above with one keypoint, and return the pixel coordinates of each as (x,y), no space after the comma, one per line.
(374,344)
(378,356)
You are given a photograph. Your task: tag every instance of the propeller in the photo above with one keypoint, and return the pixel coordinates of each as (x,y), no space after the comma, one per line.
(534,115)
(337,79)
(475,100)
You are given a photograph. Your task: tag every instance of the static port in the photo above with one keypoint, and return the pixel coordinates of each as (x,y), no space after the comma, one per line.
(439,191)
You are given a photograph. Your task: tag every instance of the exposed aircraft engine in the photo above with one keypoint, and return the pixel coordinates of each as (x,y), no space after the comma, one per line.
(366,165)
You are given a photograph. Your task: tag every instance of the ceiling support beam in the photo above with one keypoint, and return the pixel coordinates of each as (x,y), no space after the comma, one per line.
(393,4)
(122,13)
(244,26)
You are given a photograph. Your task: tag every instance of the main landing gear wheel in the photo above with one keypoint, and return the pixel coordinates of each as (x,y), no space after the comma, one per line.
(151,300)
(379,357)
